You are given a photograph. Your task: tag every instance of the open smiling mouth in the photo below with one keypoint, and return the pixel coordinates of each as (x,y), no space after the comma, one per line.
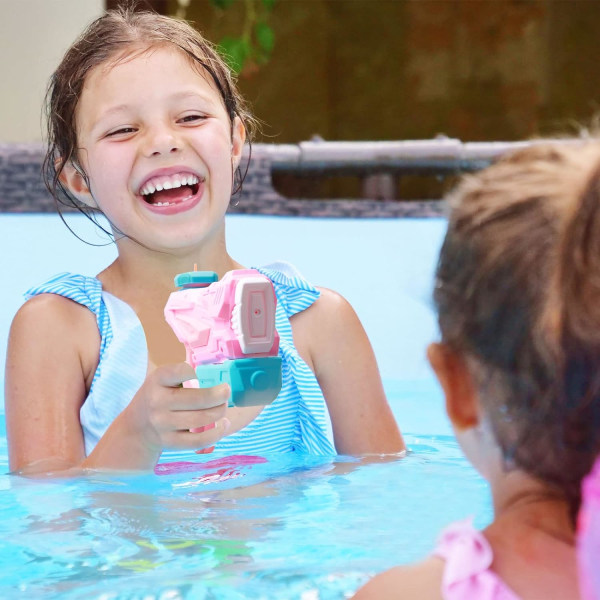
(172,191)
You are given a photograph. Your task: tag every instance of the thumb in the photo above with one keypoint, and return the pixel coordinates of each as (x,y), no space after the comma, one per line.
(175,374)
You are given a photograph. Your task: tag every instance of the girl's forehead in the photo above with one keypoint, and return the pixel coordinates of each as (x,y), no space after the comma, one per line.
(140,76)
(138,60)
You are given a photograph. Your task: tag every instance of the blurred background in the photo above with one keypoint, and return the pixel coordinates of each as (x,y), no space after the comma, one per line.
(352,70)
(398,69)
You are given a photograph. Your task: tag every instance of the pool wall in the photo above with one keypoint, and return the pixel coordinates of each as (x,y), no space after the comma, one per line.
(384,267)
(379,255)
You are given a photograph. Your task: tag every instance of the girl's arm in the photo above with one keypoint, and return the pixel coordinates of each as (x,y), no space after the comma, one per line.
(338,350)
(46,383)
(51,360)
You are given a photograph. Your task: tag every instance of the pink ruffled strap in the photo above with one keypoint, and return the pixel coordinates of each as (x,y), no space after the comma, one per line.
(468,556)
(588,536)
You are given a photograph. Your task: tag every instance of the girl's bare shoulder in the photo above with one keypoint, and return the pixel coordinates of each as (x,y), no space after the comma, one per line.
(330,312)
(51,312)
(420,581)
(51,325)
(326,323)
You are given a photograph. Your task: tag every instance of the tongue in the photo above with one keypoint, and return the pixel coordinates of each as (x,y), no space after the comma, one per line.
(174,195)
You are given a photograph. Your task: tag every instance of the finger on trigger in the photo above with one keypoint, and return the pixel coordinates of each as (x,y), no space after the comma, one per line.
(212,433)
(174,375)
(223,390)
(200,398)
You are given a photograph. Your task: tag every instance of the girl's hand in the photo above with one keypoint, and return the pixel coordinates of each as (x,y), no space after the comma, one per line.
(163,415)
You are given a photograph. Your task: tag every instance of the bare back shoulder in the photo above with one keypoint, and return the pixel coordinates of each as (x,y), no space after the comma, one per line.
(421,581)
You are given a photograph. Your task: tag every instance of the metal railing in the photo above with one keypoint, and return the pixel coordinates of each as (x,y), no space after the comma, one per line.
(441,155)
(378,165)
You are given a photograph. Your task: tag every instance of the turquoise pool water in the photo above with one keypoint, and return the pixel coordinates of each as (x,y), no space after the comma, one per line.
(287,527)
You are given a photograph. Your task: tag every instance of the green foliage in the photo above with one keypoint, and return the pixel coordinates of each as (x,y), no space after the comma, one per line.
(264,36)
(222,4)
(236,51)
(254,46)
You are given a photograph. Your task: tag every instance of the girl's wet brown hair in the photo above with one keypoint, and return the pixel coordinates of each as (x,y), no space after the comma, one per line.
(117,35)
(518,295)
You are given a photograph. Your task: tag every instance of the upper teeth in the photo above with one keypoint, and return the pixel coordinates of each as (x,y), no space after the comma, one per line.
(157,184)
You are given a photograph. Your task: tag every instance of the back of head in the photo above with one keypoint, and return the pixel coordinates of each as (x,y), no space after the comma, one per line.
(518,295)
(116,36)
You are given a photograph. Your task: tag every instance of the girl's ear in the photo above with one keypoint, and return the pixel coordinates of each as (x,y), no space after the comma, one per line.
(75,183)
(462,404)
(238,137)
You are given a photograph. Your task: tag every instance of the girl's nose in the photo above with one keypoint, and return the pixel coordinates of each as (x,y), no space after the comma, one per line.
(160,142)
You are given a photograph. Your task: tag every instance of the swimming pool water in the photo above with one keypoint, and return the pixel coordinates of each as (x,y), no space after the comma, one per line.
(290,526)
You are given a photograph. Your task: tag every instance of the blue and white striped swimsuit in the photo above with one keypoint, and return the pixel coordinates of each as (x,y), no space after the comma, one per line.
(297,421)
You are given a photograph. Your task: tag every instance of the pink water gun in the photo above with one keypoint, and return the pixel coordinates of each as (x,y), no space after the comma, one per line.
(588,536)
(228,330)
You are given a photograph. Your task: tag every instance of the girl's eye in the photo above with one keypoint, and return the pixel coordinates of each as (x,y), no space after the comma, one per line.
(192,118)
(122,131)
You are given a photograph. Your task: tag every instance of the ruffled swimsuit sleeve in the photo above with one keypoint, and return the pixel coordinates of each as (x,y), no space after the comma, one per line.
(295,294)
(123,357)
(467,573)
(588,535)
(298,419)
(84,290)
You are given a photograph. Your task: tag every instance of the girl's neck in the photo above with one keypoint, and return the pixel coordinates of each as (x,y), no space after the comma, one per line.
(519,497)
(143,271)
(532,538)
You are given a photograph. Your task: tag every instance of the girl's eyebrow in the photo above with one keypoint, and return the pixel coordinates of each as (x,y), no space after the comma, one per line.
(185,94)
(104,114)
(121,108)
(115,109)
